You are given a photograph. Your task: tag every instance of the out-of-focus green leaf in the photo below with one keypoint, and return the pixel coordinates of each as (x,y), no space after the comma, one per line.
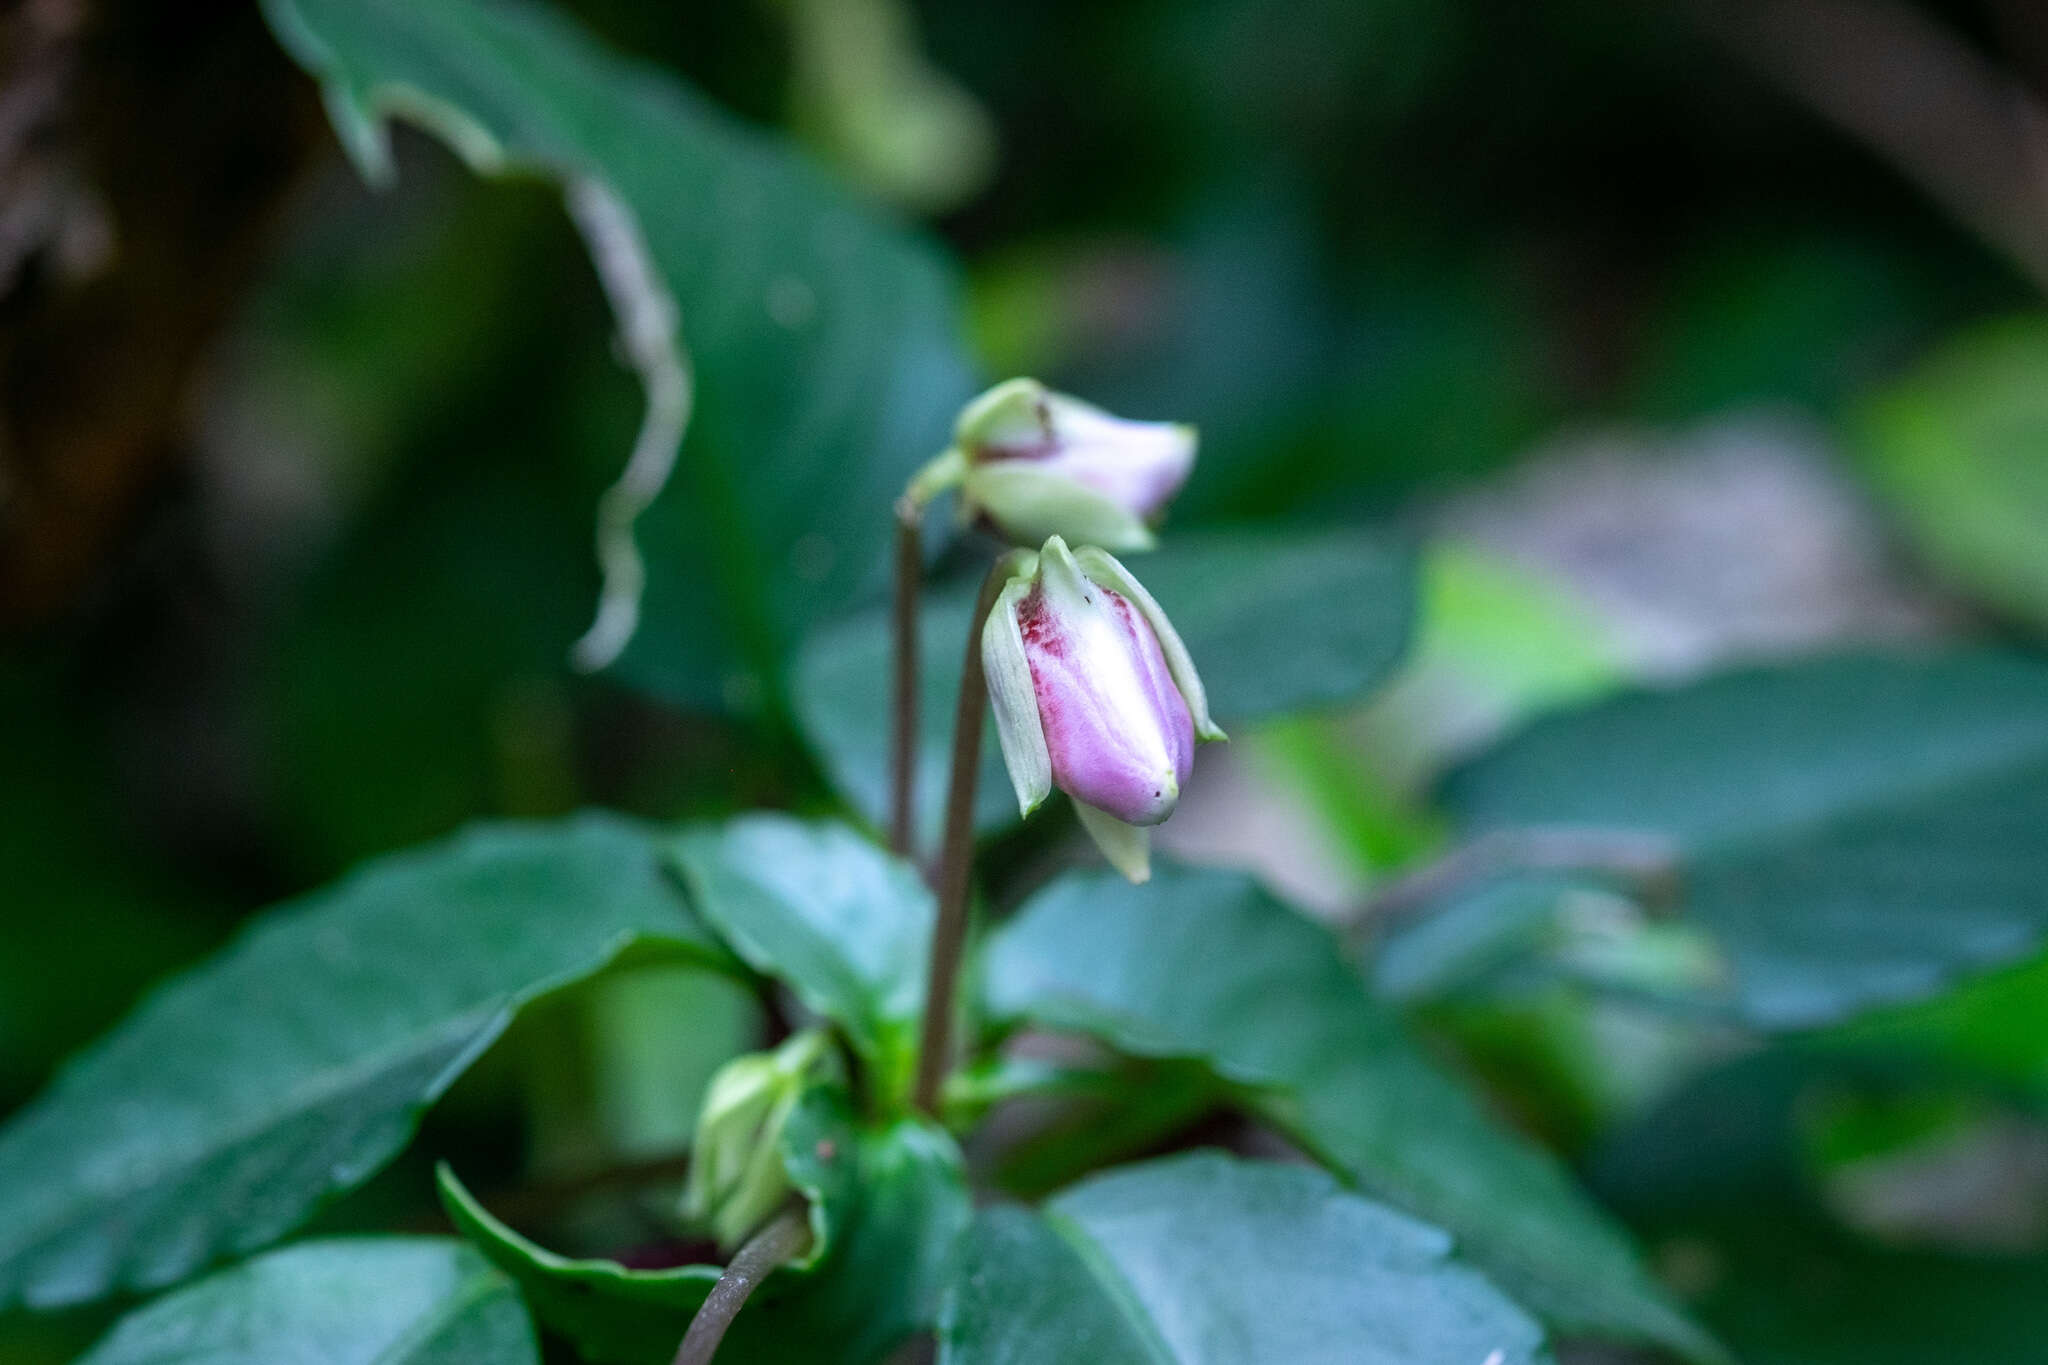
(1491,646)
(1959,448)
(87,923)
(1205,965)
(1494,645)
(1806,319)
(1203,1259)
(1793,1290)
(819,908)
(823,342)
(1713,1178)
(1854,830)
(1275,621)
(453,426)
(887,1205)
(348,1301)
(653,1039)
(1574,1004)
(295,1064)
(417,684)
(1470,937)
(1994,1029)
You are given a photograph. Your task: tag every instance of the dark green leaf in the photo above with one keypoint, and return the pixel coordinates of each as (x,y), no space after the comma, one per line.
(1854,830)
(1276,621)
(887,1206)
(1469,937)
(1712,1176)
(294,1065)
(349,1301)
(1995,1029)
(818,907)
(1960,448)
(823,341)
(88,924)
(1096,1118)
(610,1313)
(896,1258)
(1787,1288)
(1206,965)
(1202,1259)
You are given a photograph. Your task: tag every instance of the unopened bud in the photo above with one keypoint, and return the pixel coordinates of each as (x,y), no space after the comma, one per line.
(1035,463)
(737,1178)
(1095,694)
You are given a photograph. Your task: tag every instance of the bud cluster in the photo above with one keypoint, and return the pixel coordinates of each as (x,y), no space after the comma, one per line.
(1093,691)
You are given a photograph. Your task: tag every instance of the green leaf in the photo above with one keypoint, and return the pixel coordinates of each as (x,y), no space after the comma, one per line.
(887,1204)
(818,907)
(1713,1176)
(823,341)
(1957,448)
(348,1301)
(1275,621)
(1853,831)
(104,922)
(609,1313)
(1995,1029)
(1792,1289)
(1203,1259)
(1134,1107)
(1207,966)
(295,1064)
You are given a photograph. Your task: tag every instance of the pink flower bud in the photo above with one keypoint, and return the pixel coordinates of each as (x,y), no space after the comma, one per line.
(1094,693)
(1035,463)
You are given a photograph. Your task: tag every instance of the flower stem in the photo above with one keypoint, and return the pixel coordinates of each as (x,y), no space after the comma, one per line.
(956,858)
(903,697)
(781,1237)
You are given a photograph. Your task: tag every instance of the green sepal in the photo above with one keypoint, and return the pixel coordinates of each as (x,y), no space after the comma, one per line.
(1028,501)
(1008,415)
(1011,694)
(1127,847)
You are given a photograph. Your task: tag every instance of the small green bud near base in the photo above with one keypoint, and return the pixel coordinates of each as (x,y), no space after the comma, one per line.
(737,1178)
(1034,463)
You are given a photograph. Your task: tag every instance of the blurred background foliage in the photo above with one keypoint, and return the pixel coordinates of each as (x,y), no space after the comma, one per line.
(1665,361)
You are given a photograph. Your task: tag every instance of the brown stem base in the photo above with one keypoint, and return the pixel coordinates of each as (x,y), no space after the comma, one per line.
(785,1235)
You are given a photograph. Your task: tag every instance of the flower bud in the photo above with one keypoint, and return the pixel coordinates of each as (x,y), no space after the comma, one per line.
(737,1178)
(1095,694)
(1036,463)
